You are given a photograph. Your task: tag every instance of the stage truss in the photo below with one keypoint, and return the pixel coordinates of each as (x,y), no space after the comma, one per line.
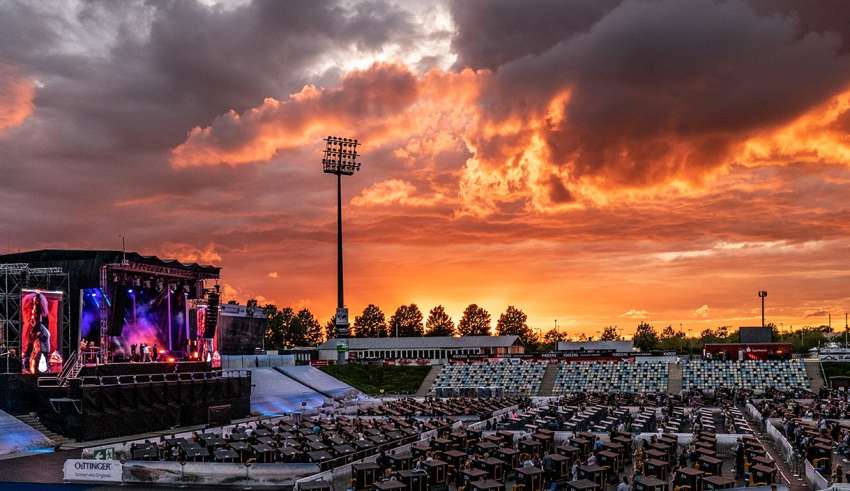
(140,268)
(14,278)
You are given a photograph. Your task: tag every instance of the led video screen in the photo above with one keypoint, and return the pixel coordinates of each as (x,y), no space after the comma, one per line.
(40,332)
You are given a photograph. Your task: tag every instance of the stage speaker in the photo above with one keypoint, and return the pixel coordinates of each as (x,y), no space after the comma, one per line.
(193,324)
(211,314)
(117,316)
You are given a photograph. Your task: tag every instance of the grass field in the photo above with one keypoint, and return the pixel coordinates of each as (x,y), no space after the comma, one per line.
(372,378)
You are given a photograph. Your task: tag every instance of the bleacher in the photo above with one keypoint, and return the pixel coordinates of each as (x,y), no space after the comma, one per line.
(511,376)
(611,377)
(753,375)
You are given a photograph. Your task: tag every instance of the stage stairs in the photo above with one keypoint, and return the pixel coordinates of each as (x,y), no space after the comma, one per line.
(428,381)
(547,385)
(674,378)
(31,419)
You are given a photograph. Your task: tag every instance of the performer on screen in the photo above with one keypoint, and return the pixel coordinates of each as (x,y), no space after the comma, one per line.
(38,337)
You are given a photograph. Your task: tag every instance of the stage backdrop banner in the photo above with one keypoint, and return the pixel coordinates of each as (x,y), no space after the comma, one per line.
(40,314)
(93,470)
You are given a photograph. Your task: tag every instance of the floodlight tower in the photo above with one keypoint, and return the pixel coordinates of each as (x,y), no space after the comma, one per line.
(340,158)
(762,294)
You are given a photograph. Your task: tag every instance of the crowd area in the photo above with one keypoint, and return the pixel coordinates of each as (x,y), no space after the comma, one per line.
(454,407)
(329,441)
(817,428)
(464,459)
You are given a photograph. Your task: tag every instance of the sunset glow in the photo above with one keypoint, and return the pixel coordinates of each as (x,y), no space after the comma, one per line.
(631,161)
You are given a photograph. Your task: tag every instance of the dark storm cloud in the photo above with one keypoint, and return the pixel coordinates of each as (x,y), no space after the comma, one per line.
(492,32)
(121,83)
(818,16)
(194,63)
(665,89)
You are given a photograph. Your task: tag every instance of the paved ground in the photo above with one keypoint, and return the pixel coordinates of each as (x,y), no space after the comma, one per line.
(42,468)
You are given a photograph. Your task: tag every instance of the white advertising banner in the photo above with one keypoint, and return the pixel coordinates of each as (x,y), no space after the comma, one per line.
(92,470)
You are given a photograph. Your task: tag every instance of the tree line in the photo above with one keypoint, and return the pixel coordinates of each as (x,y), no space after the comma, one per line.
(648,338)
(288,327)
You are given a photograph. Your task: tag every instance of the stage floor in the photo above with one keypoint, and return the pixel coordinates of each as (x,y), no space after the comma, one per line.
(44,468)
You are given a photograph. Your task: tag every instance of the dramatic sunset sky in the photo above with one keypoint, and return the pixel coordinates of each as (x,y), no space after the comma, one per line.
(592,161)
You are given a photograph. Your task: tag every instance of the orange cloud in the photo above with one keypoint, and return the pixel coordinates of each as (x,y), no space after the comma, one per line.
(535,159)
(821,135)
(191,254)
(393,191)
(635,314)
(368,101)
(16,97)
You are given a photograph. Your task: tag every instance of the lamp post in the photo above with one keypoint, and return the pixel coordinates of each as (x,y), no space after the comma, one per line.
(340,159)
(762,294)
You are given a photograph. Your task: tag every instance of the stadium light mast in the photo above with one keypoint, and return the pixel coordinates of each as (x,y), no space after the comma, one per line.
(762,294)
(340,159)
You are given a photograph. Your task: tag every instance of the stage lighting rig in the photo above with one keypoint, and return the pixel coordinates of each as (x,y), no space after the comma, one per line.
(340,158)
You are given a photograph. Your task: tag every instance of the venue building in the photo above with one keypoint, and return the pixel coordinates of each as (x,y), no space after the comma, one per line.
(424,350)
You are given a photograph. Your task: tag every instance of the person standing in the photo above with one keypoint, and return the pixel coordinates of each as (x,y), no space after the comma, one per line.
(739,461)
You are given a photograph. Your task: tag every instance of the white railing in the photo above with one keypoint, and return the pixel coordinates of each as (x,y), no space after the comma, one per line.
(814,478)
(779,438)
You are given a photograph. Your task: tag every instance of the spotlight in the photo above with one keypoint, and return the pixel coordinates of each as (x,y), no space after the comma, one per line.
(130,291)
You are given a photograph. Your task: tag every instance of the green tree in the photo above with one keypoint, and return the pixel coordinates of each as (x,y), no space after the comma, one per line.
(775,335)
(645,339)
(609,333)
(552,338)
(312,330)
(284,328)
(330,328)
(514,322)
(671,340)
(372,323)
(584,337)
(439,323)
(274,327)
(804,339)
(406,321)
(475,322)
(719,335)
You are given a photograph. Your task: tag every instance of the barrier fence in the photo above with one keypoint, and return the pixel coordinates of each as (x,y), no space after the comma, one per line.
(814,478)
(792,458)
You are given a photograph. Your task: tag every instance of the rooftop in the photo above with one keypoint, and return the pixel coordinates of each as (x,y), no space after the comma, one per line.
(617,346)
(425,342)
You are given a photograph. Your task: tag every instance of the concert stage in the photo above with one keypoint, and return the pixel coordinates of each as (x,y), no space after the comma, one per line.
(139,354)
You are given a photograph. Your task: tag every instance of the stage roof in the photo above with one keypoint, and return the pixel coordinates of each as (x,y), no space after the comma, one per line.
(46,257)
